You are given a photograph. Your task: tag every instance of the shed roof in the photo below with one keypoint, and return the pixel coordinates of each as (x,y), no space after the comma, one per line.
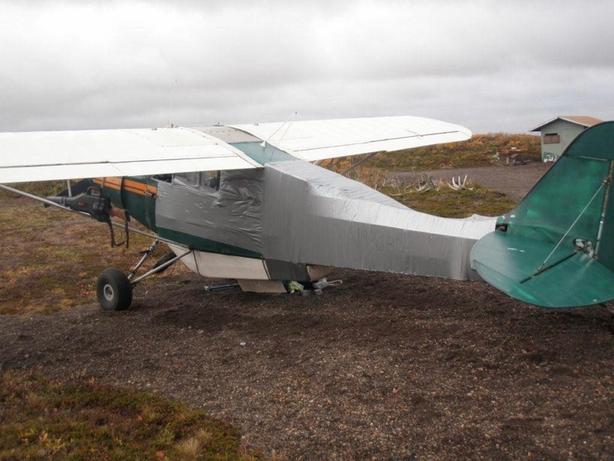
(582,120)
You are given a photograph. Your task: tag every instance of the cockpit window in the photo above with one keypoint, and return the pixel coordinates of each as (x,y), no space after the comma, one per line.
(210,179)
(201,180)
(188,179)
(163,177)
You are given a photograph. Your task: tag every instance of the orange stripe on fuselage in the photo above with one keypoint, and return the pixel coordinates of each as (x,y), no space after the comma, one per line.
(129,185)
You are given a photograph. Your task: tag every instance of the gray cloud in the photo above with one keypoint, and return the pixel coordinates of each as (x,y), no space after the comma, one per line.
(484,64)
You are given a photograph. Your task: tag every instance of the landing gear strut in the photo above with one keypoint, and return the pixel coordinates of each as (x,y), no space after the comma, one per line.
(114,287)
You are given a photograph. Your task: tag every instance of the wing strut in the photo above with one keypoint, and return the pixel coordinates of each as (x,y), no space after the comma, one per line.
(115,223)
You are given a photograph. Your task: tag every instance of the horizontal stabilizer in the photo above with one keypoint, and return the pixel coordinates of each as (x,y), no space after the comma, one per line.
(568,279)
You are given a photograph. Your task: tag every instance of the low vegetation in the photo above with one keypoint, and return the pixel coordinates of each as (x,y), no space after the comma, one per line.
(440,199)
(481,150)
(454,204)
(42,189)
(43,419)
(51,258)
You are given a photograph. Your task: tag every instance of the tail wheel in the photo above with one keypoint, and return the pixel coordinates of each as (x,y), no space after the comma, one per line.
(113,290)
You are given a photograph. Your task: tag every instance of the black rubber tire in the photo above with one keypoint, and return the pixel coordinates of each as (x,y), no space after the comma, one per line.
(113,290)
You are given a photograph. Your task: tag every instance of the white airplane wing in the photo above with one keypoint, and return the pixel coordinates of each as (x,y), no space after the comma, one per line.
(53,155)
(322,139)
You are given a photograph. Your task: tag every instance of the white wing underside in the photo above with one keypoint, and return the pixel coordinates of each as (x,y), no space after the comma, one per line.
(54,155)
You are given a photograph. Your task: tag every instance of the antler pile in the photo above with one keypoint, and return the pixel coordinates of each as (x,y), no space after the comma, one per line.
(425,183)
(459,184)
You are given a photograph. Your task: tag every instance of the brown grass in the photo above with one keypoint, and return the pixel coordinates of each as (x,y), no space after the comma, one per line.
(480,150)
(440,201)
(43,419)
(41,188)
(50,259)
(455,204)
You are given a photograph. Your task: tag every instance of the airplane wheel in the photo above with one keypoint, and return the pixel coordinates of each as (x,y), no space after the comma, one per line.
(113,290)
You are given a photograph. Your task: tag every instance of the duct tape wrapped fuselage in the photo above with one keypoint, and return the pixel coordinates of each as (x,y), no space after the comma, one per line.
(315,216)
(296,212)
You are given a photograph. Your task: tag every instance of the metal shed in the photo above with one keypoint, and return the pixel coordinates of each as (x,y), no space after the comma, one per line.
(557,133)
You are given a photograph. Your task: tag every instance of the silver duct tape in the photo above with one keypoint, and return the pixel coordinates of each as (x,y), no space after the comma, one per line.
(231,215)
(315,216)
(294,214)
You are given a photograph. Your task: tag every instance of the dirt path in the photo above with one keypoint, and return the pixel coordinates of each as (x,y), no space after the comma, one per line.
(385,367)
(514,181)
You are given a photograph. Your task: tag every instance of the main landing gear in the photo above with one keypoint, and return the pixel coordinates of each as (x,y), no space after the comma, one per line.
(113,290)
(114,287)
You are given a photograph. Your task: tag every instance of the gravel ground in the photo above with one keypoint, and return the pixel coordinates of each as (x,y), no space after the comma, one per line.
(514,181)
(385,366)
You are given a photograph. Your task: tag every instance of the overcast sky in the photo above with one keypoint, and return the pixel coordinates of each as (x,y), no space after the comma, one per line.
(487,65)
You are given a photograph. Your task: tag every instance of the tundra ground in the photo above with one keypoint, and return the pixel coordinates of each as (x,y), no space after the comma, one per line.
(383,366)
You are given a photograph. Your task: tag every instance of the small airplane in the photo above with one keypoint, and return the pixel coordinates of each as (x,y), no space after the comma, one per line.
(249,202)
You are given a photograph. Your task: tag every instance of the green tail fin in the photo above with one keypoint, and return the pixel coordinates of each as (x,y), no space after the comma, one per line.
(556,249)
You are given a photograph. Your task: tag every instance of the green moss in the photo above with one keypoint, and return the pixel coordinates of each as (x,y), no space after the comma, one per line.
(42,419)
